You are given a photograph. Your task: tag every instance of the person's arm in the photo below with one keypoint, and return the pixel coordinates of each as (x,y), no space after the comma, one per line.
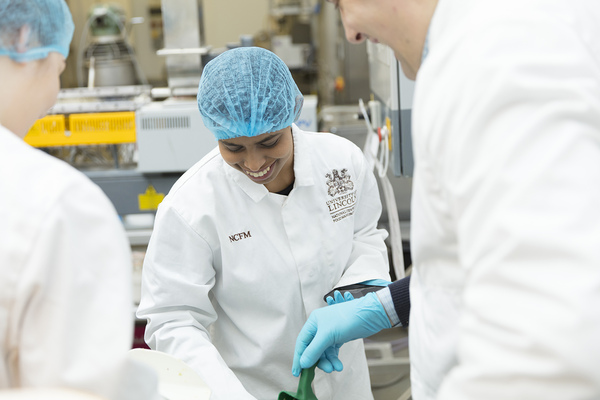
(523,177)
(332,326)
(176,282)
(368,259)
(395,299)
(335,325)
(73,312)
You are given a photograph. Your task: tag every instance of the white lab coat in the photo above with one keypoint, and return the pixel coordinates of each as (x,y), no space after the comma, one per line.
(65,281)
(251,265)
(505,234)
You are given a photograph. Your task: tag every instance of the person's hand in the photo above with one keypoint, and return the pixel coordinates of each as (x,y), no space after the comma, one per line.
(329,360)
(336,325)
(338,298)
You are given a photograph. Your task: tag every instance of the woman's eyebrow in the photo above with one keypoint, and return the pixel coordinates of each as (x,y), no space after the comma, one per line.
(228,143)
(269,138)
(225,142)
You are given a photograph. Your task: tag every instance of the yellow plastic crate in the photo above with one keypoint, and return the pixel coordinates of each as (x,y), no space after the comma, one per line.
(83,129)
(102,128)
(47,131)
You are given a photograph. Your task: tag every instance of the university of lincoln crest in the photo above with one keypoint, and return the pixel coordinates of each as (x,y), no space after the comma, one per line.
(338,182)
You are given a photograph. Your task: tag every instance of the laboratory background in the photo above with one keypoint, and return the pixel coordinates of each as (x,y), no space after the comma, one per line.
(127,115)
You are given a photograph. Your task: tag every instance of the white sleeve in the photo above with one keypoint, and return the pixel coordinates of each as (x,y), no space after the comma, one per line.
(523,170)
(75,303)
(369,259)
(176,280)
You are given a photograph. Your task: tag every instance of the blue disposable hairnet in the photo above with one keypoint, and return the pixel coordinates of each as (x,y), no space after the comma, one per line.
(31,29)
(247,91)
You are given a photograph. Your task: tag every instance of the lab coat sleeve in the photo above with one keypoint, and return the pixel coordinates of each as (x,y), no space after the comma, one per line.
(75,309)
(177,278)
(523,167)
(368,259)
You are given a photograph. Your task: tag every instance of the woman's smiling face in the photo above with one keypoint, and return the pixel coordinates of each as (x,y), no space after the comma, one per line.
(266,159)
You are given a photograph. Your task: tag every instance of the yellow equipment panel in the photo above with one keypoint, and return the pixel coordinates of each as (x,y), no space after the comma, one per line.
(83,129)
(103,128)
(47,131)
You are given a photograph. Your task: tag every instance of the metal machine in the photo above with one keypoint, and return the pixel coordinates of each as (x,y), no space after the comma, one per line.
(171,136)
(108,59)
(149,135)
(393,95)
(183,39)
(151,143)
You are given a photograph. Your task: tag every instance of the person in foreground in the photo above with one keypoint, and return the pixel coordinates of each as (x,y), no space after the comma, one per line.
(250,239)
(65,262)
(505,224)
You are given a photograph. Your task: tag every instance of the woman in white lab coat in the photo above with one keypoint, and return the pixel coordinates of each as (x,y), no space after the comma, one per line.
(251,237)
(65,263)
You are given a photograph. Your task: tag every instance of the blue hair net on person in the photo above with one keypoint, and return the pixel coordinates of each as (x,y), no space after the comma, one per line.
(247,91)
(31,29)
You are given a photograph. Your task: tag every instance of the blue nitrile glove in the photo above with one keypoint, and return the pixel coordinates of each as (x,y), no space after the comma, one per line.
(377,282)
(338,298)
(329,360)
(336,325)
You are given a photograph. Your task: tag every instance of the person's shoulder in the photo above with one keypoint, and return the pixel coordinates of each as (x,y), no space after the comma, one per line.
(202,174)
(326,142)
(62,185)
(41,173)
(200,184)
(511,28)
(39,185)
(329,152)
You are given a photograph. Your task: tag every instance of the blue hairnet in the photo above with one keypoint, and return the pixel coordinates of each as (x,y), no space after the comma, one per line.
(31,29)
(247,91)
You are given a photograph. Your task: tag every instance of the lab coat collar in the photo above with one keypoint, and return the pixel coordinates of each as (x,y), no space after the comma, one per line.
(255,191)
(303,169)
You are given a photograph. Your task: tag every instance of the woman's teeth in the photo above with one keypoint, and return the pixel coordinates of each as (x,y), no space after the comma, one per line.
(259,174)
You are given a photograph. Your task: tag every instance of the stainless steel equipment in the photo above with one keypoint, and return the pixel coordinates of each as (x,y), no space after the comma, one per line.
(108,59)
(171,136)
(183,37)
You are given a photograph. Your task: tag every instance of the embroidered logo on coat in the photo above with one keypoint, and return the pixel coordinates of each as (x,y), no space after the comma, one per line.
(239,236)
(338,182)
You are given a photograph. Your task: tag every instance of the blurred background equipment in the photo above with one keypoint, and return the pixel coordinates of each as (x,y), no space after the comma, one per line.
(108,59)
(183,40)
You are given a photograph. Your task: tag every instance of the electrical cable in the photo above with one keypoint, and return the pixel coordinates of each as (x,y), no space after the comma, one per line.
(381,162)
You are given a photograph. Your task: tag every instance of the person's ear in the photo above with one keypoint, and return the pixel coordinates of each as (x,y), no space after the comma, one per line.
(23,39)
